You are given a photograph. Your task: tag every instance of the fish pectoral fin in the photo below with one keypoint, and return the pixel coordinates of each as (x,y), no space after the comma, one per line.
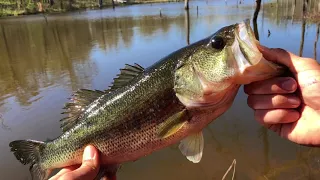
(192,147)
(127,74)
(79,100)
(173,124)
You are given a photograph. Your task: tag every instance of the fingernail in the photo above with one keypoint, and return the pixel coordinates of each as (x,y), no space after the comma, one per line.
(262,48)
(89,153)
(288,85)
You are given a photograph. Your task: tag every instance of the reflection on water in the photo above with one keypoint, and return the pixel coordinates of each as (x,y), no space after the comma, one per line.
(316,42)
(303,31)
(44,60)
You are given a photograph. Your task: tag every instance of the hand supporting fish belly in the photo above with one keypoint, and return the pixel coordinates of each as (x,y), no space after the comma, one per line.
(146,110)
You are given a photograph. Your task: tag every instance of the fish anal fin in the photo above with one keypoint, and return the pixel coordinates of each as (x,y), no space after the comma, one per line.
(127,74)
(79,100)
(192,147)
(38,173)
(173,124)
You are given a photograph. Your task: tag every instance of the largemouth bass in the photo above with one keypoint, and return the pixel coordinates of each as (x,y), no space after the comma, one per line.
(146,110)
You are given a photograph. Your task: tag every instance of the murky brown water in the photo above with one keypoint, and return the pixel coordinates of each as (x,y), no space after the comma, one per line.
(44,61)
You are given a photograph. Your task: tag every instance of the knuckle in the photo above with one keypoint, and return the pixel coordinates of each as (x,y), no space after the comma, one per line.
(247,89)
(251,102)
(279,51)
(88,164)
(259,116)
(66,176)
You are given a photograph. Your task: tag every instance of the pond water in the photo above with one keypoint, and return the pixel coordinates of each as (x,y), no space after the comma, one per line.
(44,59)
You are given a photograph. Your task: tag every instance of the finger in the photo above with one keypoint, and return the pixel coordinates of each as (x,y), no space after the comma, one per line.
(278,85)
(292,61)
(89,167)
(268,117)
(64,170)
(273,101)
(110,178)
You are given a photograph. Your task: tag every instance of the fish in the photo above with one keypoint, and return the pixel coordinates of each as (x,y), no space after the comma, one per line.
(148,109)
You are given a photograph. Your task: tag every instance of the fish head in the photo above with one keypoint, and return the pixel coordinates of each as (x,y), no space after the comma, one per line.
(219,64)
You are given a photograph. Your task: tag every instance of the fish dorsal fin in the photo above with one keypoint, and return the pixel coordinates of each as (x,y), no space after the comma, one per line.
(192,147)
(79,100)
(173,124)
(128,73)
(83,97)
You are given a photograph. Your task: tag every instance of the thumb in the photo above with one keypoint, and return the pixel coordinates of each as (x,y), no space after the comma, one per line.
(90,164)
(295,63)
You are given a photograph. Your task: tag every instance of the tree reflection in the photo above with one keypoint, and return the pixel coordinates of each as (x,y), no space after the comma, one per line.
(316,42)
(303,29)
(36,55)
(263,133)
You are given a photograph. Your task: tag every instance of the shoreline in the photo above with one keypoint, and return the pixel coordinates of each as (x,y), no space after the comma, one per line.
(45,8)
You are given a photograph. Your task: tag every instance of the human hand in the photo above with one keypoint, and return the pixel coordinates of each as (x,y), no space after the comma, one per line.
(88,170)
(290,106)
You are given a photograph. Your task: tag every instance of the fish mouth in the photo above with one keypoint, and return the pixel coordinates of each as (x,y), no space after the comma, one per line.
(252,66)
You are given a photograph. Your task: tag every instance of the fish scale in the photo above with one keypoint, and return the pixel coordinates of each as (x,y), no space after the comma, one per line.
(146,110)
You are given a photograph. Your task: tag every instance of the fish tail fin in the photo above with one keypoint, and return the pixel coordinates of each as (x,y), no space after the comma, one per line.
(28,152)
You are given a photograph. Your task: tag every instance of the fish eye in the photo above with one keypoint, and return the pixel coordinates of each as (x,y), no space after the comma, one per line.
(217,42)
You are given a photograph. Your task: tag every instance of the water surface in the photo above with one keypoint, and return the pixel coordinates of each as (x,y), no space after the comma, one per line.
(43,60)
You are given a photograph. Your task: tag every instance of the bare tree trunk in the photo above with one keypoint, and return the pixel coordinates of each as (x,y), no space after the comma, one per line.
(187,25)
(186,4)
(293,10)
(61,4)
(113,5)
(305,5)
(51,2)
(255,17)
(100,3)
(70,4)
(303,28)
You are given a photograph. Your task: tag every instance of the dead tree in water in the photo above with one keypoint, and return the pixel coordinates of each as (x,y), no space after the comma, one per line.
(100,3)
(305,5)
(255,17)
(187,25)
(51,2)
(70,4)
(113,5)
(186,4)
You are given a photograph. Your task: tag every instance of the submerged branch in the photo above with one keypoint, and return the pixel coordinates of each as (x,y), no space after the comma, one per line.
(233,164)
(3,125)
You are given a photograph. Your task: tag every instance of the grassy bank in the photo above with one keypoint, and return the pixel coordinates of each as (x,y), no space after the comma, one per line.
(24,7)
